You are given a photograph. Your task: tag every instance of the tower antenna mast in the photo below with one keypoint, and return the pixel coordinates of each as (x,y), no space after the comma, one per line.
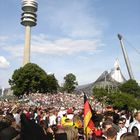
(127,62)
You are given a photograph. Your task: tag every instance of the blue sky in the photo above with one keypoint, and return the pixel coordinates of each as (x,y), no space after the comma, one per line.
(71,36)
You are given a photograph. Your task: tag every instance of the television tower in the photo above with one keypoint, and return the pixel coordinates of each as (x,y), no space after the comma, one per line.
(28,20)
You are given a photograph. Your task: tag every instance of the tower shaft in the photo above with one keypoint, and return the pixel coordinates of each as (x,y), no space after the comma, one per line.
(27,45)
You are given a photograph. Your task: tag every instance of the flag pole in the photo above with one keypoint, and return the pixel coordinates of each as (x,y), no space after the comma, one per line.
(86,134)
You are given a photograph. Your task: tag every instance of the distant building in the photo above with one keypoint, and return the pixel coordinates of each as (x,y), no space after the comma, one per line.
(107,79)
(0,91)
(112,79)
(6,92)
(116,73)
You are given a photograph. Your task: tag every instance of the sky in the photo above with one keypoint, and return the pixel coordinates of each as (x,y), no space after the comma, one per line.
(72,36)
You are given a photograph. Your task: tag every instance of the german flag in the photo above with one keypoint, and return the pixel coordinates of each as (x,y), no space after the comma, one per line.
(88,123)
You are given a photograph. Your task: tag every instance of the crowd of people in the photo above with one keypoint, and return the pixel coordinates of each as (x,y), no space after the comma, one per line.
(60,117)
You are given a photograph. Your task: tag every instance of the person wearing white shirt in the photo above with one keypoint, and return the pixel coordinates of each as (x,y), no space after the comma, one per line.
(52,119)
(122,127)
(61,112)
(136,121)
(17,116)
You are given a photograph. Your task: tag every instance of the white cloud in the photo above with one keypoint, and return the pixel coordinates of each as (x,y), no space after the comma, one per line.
(3,38)
(15,50)
(65,46)
(3,62)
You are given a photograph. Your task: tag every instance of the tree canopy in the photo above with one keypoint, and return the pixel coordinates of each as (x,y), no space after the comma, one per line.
(30,79)
(70,83)
(100,94)
(52,83)
(126,94)
(130,87)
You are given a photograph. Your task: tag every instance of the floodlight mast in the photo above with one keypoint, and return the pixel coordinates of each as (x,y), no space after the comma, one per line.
(127,62)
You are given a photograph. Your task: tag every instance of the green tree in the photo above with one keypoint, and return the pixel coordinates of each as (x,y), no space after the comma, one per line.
(130,87)
(70,83)
(101,94)
(52,83)
(28,79)
(121,99)
(116,98)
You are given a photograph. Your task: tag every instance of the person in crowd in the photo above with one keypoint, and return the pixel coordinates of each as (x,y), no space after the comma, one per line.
(135,121)
(30,130)
(47,130)
(122,127)
(72,133)
(9,132)
(52,119)
(136,130)
(63,119)
(60,134)
(111,133)
(128,136)
(110,119)
(17,116)
(98,138)
(105,126)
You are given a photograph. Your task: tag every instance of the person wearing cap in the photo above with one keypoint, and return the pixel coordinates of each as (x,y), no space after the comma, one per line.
(70,114)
